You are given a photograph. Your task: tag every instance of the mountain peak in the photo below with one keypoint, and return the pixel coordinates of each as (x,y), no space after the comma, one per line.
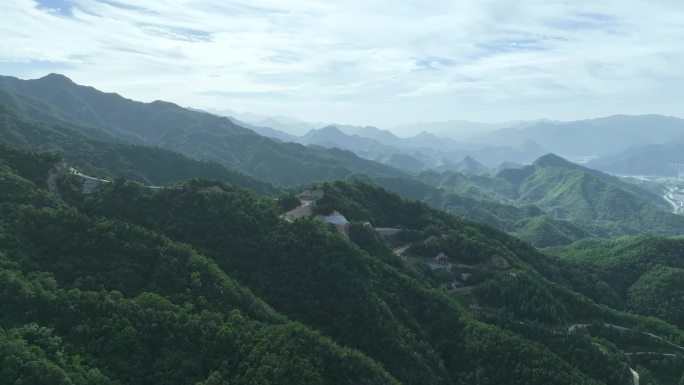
(330,130)
(425,134)
(471,166)
(325,133)
(552,160)
(56,78)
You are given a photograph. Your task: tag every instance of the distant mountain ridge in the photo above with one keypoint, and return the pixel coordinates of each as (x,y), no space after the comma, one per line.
(109,158)
(598,203)
(648,160)
(471,166)
(416,153)
(522,142)
(204,136)
(592,137)
(54,98)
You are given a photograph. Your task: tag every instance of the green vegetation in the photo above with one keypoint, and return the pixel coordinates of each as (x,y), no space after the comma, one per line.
(148,165)
(645,272)
(600,203)
(96,301)
(202,282)
(55,99)
(527,222)
(530,288)
(105,281)
(660,292)
(551,202)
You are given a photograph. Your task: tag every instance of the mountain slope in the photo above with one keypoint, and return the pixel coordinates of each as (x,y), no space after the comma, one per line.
(96,301)
(148,165)
(646,272)
(198,135)
(124,294)
(602,203)
(331,136)
(470,166)
(367,313)
(477,203)
(592,137)
(650,160)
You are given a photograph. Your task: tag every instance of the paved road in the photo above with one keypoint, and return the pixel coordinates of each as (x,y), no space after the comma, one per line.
(571,328)
(400,250)
(650,353)
(635,376)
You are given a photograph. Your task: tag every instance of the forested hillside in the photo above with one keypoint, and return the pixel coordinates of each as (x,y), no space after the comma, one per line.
(94,132)
(341,192)
(571,196)
(88,300)
(97,289)
(650,160)
(117,285)
(110,159)
(646,272)
(198,135)
(472,200)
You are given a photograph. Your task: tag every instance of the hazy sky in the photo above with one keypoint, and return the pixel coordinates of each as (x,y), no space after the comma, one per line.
(376,62)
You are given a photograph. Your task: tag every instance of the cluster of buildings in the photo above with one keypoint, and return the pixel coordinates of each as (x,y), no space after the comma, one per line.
(335,219)
(341,225)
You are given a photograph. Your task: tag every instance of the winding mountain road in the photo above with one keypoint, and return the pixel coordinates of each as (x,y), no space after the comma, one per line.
(572,328)
(635,376)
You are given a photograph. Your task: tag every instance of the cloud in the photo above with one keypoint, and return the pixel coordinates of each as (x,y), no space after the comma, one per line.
(370,61)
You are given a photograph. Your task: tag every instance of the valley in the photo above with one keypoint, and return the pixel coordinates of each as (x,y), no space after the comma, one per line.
(672,189)
(675,196)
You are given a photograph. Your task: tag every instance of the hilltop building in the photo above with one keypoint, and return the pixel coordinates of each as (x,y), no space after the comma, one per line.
(338,221)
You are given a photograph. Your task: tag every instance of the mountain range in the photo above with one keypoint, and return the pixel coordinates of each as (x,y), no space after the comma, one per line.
(602,141)
(648,160)
(416,153)
(202,273)
(592,138)
(598,203)
(110,117)
(183,266)
(543,203)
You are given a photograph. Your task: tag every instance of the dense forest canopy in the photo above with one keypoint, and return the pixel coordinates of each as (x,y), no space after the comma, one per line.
(146,243)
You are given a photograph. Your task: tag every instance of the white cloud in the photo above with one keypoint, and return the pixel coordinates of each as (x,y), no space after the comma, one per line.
(362,61)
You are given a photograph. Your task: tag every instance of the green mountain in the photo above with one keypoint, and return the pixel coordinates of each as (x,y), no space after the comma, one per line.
(650,160)
(595,201)
(203,283)
(98,301)
(56,99)
(482,186)
(523,279)
(95,152)
(597,137)
(48,113)
(109,159)
(470,166)
(554,161)
(478,198)
(645,272)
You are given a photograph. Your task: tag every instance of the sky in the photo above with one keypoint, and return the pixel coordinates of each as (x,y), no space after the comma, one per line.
(379,62)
